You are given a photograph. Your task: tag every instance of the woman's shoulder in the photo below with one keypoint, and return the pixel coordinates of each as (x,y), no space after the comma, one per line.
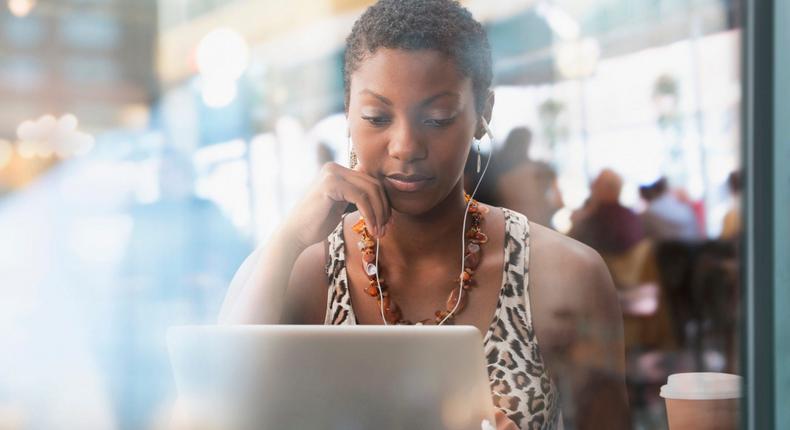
(565,275)
(555,245)
(306,300)
(564,265)
(551,249)
(570,287)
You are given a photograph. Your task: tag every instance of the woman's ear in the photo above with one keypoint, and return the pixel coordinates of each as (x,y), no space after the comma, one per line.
(488,107)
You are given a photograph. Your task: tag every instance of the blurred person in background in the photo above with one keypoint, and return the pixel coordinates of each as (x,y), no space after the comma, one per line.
(697,207)
(183,241)
(181,254)
(731,226)
(525,185)
(667,217)
(615,231)
(604,223)
(418,92)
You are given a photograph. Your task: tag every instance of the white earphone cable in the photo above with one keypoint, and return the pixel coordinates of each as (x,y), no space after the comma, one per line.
(463,239)
(463,227)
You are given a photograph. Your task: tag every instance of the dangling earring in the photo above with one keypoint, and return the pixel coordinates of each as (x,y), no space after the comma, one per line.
(352,156)
(478,155)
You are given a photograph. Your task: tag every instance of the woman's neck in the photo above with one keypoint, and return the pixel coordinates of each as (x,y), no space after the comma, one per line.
(436,233)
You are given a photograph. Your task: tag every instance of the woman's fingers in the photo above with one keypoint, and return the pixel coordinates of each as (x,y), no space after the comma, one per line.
(385,211)
(364,204)
(382,205)
(370,204)
(361,189)
(375,199)
(387,208)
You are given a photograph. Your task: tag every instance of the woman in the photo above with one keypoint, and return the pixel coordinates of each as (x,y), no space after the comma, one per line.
(417,80)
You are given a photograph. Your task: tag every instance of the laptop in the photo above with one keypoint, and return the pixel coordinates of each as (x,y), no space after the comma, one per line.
(277,377)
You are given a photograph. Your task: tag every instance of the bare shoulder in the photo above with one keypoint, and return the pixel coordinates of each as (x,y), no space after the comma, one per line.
(570,287)
(305,301)
(567,268)
(577,319)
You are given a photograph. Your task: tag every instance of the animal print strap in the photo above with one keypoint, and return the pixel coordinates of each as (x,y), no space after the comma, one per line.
(338,310)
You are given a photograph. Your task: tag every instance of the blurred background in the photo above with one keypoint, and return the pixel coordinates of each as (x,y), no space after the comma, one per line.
(146,147)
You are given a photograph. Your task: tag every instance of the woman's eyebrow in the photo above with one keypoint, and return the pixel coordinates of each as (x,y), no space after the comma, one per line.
(434,97)
(425,102)
(383,99)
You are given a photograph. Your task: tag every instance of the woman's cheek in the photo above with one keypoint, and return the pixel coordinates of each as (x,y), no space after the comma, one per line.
(370,153)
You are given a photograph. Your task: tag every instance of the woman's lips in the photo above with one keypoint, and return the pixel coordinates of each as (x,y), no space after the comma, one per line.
(408,184)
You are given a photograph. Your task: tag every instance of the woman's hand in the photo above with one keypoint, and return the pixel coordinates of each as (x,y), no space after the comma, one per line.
(257,292)
(503,422)
(337,186)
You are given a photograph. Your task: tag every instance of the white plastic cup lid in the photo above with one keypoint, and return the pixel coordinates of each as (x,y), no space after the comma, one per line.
(702,386)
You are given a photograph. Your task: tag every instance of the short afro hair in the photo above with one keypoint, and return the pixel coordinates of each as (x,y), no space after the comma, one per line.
(440,25)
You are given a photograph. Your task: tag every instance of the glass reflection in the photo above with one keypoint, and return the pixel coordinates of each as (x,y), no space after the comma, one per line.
(210,119)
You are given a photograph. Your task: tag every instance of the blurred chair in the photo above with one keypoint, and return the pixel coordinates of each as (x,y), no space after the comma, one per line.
(701,283)
(646,318)
(651,352)
(695,285)
(714,286)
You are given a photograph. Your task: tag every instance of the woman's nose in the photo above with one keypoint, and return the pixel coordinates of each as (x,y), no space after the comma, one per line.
(405,143)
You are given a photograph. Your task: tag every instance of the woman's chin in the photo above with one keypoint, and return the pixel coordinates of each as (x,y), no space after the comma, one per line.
(417,203)
(413,204)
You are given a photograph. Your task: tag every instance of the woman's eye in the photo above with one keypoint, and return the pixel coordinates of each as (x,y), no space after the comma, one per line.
(377,121)
(438,123)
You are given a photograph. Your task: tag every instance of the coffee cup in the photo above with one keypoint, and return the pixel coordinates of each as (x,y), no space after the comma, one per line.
(702,401)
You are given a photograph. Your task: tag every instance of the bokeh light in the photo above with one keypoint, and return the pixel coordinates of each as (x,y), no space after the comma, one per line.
(222,54)
(48,135)
(21,8)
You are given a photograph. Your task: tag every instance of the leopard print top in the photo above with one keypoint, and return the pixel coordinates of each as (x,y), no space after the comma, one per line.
(520,384)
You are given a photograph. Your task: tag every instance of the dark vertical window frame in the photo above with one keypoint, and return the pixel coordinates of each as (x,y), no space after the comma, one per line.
(766,119)
(781,172)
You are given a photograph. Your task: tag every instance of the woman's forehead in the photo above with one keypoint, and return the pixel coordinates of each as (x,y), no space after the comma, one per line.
(409,75)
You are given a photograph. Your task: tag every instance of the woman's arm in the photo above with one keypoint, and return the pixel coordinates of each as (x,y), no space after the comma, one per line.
(257,293)
(247,300)
(578,323)
(597,359)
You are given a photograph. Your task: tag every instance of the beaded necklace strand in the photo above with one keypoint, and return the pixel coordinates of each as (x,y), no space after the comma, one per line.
(457,299)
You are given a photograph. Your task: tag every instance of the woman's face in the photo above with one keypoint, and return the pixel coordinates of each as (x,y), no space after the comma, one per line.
(412,119)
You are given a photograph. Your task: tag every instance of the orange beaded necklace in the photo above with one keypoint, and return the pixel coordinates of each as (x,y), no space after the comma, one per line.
(457,299)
